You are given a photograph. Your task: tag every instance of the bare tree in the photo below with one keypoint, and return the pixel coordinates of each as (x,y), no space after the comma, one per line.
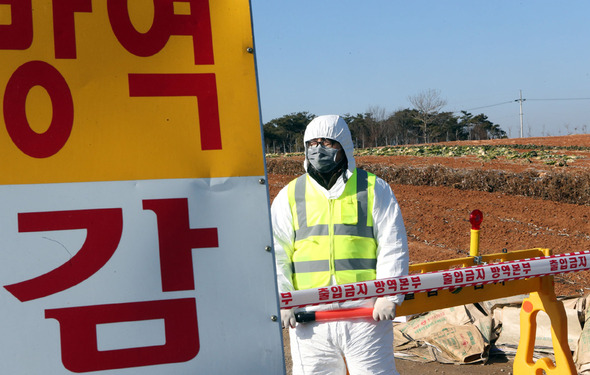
(427,104)
(376,124)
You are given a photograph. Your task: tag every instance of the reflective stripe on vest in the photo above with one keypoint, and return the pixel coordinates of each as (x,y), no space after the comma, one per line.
(340,265)
(361,229)
(337,238)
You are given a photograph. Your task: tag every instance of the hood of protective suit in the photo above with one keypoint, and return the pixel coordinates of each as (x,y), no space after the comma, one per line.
(333,127)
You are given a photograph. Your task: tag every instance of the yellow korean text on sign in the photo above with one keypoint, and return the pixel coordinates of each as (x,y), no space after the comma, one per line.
(127,90)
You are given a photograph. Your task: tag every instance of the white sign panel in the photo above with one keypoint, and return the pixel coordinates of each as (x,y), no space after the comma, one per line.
(118,275)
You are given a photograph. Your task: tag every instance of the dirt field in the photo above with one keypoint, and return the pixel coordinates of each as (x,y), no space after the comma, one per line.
(437,221)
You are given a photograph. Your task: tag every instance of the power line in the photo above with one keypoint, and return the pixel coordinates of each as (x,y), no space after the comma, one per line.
(520,100)
(563,99)
(512,101)
(488,106)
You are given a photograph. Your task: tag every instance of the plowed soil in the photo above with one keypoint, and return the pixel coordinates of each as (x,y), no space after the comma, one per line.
(437,222)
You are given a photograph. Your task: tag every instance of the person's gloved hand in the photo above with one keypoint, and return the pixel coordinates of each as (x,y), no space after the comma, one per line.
(383,309)
(288,318)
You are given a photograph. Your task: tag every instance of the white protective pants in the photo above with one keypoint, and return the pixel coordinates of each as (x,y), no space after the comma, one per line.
(321,348)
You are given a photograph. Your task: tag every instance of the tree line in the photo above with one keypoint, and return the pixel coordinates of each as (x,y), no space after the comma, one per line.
(424,123)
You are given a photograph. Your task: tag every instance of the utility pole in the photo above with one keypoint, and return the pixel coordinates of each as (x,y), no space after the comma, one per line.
(520,100)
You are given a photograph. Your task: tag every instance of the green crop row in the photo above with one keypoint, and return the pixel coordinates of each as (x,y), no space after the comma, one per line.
(547,155)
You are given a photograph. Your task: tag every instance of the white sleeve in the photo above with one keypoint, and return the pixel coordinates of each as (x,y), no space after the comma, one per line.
(390,234)
(284,237)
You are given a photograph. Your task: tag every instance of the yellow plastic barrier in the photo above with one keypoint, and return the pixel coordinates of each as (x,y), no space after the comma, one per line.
(543,300)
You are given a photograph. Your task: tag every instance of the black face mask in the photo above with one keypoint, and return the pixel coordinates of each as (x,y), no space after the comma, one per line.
(328,179)
(322,158)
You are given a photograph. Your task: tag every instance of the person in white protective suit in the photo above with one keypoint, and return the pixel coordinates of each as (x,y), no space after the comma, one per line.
(338,224)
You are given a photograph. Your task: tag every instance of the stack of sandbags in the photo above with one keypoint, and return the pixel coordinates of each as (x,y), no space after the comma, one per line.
(582,353)
(469,333)
(509,318)
(458,334)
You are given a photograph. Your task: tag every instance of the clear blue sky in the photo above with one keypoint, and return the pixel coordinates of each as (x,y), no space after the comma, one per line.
(345,56)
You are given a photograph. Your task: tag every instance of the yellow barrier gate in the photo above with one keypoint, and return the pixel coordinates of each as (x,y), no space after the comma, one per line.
(541,298)
(539,287)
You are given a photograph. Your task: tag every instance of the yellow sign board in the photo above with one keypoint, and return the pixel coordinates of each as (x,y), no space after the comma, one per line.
(127,90)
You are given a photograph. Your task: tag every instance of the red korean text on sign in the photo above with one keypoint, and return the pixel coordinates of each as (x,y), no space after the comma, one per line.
(349,291)
(104,228)
(324,294)
(392,284)
(201,86)
(495,272)
(526,267)
(286,298)
(336,291)
(481,275)
(79,338)
(78,324)
(404,283)
(362,289)
(38,73)
(447,278)
(19,35)
(176,240)
(515,269)
(576,262)
(506,270)
(196,24)
(379,286)
(64,28)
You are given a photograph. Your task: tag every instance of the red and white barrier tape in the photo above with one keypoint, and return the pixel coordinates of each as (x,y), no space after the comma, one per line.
(447,279)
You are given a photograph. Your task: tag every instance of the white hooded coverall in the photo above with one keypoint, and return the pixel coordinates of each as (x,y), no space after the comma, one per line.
(367,345)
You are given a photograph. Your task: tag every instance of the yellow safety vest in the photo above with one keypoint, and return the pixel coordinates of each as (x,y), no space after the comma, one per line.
(333,237)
